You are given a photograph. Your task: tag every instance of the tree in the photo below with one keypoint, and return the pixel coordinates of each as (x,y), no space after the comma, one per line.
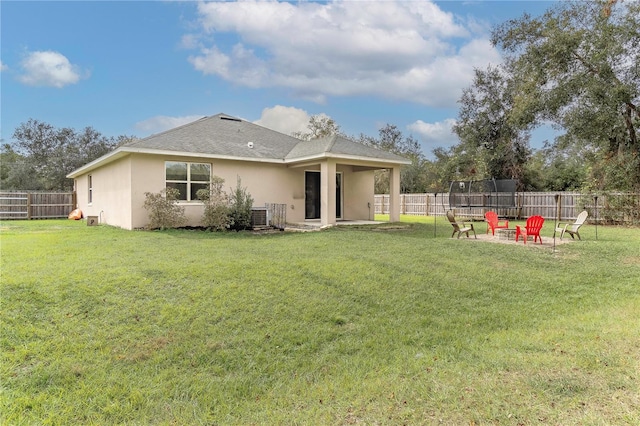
(577,66)
(47,154)
(319,126)
(15,171)
(412,177)
(451,164)
(493,139)
(563,169)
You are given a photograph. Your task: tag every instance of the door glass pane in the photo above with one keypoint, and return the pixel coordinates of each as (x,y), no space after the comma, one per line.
(339,195)
(312,195)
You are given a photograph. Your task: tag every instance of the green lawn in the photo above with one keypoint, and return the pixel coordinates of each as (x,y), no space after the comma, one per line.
(368,325)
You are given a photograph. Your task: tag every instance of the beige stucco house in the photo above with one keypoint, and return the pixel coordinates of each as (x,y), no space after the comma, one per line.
(323,180)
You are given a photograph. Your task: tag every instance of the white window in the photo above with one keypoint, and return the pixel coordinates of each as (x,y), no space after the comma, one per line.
(187,178)
(90,186)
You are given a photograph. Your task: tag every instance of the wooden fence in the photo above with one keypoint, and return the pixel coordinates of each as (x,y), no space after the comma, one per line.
(36,205)
(609,208)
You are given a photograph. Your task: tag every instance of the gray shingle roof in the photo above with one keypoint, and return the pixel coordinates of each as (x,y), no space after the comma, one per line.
(341,146)
(228,136)
(221,135)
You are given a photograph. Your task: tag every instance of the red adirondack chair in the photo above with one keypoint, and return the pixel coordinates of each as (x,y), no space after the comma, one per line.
(493,223)
(532,228)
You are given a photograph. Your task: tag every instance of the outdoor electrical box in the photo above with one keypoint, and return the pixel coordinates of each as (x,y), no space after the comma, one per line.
(92,220)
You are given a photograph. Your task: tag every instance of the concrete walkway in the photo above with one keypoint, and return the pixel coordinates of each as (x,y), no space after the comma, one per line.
(315,225)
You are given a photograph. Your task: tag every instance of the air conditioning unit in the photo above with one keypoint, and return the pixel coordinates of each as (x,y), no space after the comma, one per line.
(259,217)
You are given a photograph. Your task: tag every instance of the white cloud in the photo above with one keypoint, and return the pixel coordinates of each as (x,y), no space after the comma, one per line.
(241,66)
(285,120)
(161,123)
(3,67)
(49,68)
(392,49)
(189,41)
(434,135)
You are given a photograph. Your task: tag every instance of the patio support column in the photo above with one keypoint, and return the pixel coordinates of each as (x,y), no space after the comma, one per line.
(394,194)
(328,192)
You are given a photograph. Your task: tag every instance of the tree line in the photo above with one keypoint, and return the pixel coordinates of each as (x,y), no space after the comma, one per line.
(42,155)
(576,67)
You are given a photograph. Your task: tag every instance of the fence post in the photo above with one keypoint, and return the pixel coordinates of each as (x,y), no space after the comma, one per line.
(595,199)
(559,207)
(28,206)
(557,219)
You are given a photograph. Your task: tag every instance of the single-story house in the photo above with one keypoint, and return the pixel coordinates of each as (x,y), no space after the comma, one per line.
(325,180)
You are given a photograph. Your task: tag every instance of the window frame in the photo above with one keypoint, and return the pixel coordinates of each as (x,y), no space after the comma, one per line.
(188,181)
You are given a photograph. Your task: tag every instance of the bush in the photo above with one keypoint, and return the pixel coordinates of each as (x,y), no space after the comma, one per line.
(240,208)
(621,208)
(164,211)
(216,206)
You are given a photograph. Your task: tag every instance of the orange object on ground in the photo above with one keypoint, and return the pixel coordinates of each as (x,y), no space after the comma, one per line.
(76,214)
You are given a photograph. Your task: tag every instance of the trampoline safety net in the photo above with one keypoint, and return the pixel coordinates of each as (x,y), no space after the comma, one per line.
(487,193)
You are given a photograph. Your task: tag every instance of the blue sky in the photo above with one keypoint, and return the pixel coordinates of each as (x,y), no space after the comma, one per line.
(138,68)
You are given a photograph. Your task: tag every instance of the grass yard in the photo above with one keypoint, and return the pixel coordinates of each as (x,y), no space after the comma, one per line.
(383,325)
